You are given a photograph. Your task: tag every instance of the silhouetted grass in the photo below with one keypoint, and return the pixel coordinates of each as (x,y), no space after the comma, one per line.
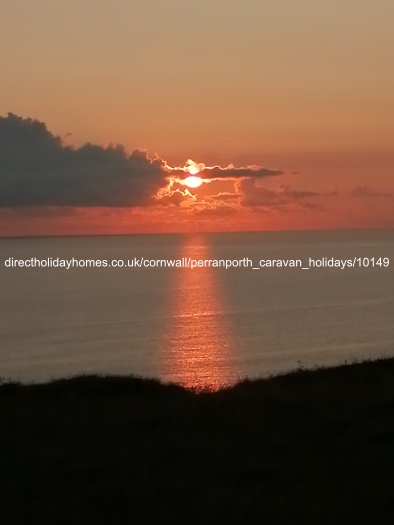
(307,447)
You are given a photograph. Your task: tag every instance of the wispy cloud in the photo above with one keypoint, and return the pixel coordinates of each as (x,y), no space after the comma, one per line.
(368,192)
(230,172)
(254,195)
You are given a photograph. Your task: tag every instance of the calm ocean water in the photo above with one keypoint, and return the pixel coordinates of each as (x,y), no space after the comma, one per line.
(201,327)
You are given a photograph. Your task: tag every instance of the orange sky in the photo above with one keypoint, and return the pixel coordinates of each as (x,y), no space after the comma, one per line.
(305,88)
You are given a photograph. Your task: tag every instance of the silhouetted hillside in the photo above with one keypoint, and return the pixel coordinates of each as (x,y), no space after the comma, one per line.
(308,447)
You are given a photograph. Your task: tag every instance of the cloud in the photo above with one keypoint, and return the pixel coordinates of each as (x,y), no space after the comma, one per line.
(36,169)
(216,211)
(174,198)
(226,196)
(33,212)
(291,193)
(230,172)
(366,191)
(254,195)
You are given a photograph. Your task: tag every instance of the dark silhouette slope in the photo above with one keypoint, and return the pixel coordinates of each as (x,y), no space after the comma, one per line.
(308,447)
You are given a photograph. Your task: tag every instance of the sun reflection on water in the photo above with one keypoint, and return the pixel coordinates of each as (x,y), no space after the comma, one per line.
(198,350)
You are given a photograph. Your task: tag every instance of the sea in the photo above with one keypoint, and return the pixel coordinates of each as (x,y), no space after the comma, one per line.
(203,310)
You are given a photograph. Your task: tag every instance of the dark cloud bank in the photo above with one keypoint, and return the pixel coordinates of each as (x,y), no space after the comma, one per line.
(36,169)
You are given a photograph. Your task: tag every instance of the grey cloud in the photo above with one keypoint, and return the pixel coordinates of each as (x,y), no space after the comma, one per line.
(216,211)
(226,196)
(366,191)
(255,172)
(288,191)
(228,173)
(35,212)
(254,196)
(174,198)
(36,169)
(259,196)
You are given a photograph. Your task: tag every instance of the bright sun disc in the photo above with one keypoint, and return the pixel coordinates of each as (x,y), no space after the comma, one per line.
(193,182)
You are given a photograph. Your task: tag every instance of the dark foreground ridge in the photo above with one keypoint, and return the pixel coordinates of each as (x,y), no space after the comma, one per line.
(308,447)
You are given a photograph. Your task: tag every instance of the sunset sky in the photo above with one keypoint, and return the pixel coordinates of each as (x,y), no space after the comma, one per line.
(284,109)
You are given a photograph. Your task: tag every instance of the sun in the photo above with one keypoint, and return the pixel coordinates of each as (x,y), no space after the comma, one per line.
(193,182)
